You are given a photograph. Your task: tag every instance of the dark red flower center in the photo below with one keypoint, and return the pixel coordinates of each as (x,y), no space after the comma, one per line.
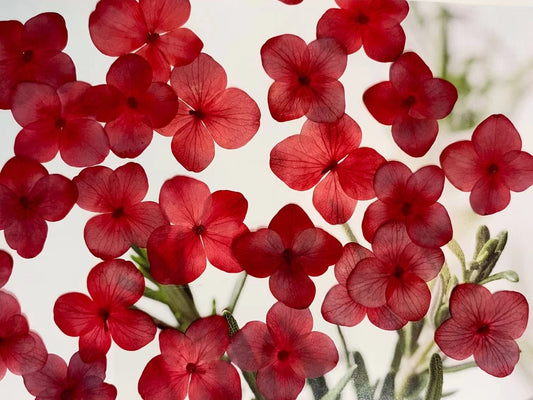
(483,329)
(199,229)
(283,355)
(408,102)
(27,55)
(191,368)
(24,202)
(492,169)
(60,123)
(362,19)
(398,271)
(288,255)
(132,102)
(104,315)
(406,208)
(199,114)
(151,37)
(331,166)
(67,394)
(118,212)
(304,80)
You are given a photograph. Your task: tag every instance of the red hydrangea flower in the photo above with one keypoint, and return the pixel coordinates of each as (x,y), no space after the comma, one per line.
(373,24)
(284,351)
(29,197)
(114,286)
(124,218)
(485,325)
(410,198)
(150,28)
(132,105)
(490,165)
(32,52)
(21,351)
(397,274)
(411,101)
(190,363)
(289,251)
(340,309)
(328,156)
(204,224)
(306,78)
(208,111)
(6,266)
(56,120)
(77,381)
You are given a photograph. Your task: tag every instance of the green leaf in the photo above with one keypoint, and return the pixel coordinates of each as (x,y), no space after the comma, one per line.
(334,393)
(233,326)
(319,387)
(482,236)
(360,377)
(387,391)
(434,391)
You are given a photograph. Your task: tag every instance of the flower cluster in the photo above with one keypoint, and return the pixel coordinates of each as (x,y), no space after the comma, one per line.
(162,81)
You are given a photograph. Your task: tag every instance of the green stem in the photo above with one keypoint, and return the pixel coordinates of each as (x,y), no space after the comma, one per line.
(460,367)
(181,303)
(236,293)
(398,351)
(349,233)
(344,346)
(154,295)
(158,323)
(413,363)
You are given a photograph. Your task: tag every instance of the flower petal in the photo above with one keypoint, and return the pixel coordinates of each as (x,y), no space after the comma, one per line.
(340,309)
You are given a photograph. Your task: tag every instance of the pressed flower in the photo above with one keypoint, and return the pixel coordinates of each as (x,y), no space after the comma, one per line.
(372,24)
(410,198)
(77,381)
(208,112)
(132,105)
(203,225)
(306,78)
(29,197)
(489,166)
(124,219)
(289,251)
(21,350)
(33,52)
(150,28)
(114,287)
(396,275)
(190,363)
(328,156)
(484,325)
(56,120)
(6,266)
(411,102)
(284,351)
(341,309)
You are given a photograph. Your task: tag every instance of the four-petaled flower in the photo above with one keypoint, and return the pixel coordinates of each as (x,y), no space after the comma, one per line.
(396,275)
(284,351)
(149,28)
(485,325)
(124,218)
(77,381)
(289,251)
(490,166)
(411,101)
(208,112)
(29,197)
(328,155)
(373,24)
(204,224)
(190,363)
(114,287)
(341,309)
(305,78)
(410,198)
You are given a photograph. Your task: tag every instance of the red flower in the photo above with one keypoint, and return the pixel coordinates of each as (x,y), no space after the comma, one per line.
(150,28)
(132,105)
(21,351)
(32,52)
(29,197)
(190,363)
(340,309)
(291,2)
(412,102)
(6,266)
(204,225)
(373,24)
(208,111)
(410,198)
(490,165)
(485,325)
(284,352)
(289,251)
(114,286)
(78,381)
(329,151)
(124,218)
(56,119)
(306,78)
(396,275)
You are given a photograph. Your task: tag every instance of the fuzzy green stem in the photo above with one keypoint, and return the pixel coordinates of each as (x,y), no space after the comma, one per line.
(236,293)
(344,346)
(349,232)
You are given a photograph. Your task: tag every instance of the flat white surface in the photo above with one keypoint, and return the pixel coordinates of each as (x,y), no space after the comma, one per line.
(233,32)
